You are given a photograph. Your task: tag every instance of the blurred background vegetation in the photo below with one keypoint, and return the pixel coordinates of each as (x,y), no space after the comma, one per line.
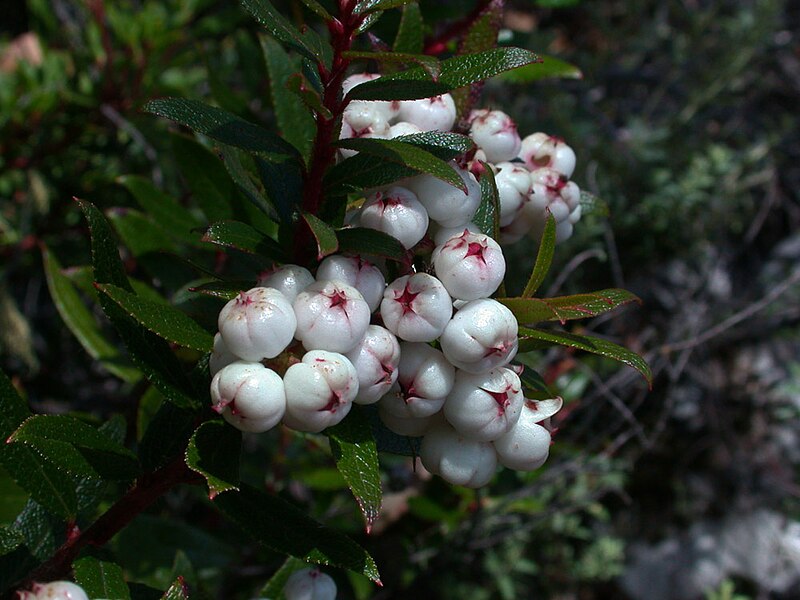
(686,127)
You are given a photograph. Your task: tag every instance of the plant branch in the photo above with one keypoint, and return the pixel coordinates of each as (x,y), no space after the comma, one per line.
(342,30)
(438,44)
(147,489)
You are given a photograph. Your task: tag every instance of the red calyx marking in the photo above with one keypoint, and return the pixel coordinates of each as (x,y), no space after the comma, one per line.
(501,398)
(387,371)
(407,392)
(338,298)
(243,298)
(333,403)
(405,299)
(500,348)
(476,249)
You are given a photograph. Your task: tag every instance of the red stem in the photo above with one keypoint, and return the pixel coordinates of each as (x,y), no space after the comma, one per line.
(147,489)
(342,31)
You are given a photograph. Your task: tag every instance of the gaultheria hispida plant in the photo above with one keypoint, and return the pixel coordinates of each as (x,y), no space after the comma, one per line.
(346,283)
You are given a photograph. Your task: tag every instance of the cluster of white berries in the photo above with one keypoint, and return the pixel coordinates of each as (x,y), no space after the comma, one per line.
(55,590)
(431,348)
(532,174)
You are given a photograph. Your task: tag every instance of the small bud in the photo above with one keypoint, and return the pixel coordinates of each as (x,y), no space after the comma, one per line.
(249,396)
(430,114)
(397,212)
(447,205)
(257,324)
(331,316)
(309,584)
(416,308)
(481,336)
(319,391)
(495,133)
(289,280)
(376,360)
(470,266)
(457,459)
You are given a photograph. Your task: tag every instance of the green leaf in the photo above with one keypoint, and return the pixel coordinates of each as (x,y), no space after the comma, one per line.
(534,339)
(106,457)
(283,183)
(205,177)
(167,435)
(487,217)
(567,308)
(409,33)
(243,237)
(173,217)
(318,9)
(592,205)
(10,540)
(299,85)
(406,155)
(327,243)
(367,6)
(106,263)
(101,579)
(276,583)
(82,323)
(365,170)
(140,234)
(535,385)
(363,241)
(481,36)
(386,439)
(456,72)
(287,529)
(213,452)
(47,485)
(41,533)
(241,176)
(356,455)
(295,123)
(431,64)
(165,321)
(308,42)
(227,290)
(177,591)
(221,126)
(544,258)
(548,68)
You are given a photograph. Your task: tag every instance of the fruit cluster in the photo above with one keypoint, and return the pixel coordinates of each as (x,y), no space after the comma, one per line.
(55,590)
(532,174)
(431,348)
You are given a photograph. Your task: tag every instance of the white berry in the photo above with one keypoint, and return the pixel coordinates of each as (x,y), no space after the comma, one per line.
(527,444)
(319,391)
(387,109)
(416,308)
(429,114)
(481,336)
(289,280)
(541,150)
(55,590)
(309,584)
(249,396)
(496,134)
(376,359)
(470,266)
(447,205)
(220,356)
(484,406)
(362,120)
(356,272)
(331,315)
(405,425)
(425,379)
(257,324)
(442,234)
(457,459)
(513,187)
(397,212)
